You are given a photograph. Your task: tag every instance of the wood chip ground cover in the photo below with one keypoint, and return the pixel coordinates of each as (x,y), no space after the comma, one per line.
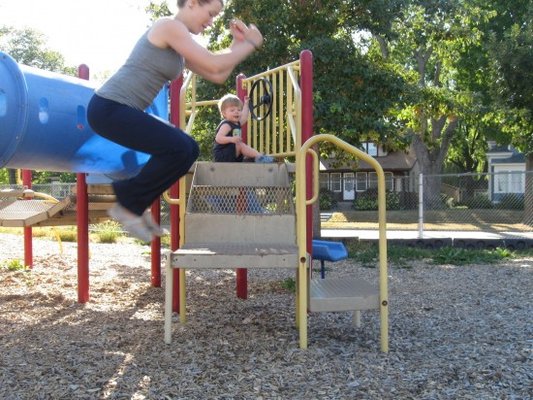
(455,333)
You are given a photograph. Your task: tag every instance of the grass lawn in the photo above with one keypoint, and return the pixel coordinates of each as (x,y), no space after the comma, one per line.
(449,219)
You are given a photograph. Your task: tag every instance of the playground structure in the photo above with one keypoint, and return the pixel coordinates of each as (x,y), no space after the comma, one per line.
(264,227)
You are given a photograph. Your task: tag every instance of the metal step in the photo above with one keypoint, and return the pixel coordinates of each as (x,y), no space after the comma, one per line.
(235,255)
(342,295)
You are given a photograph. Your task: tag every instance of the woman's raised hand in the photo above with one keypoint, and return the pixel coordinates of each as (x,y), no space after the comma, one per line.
(241,32)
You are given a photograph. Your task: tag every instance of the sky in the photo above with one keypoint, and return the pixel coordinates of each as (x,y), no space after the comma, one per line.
(99,33)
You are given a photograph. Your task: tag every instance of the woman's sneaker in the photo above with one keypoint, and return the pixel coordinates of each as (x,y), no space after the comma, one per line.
(152,225)
(132,223)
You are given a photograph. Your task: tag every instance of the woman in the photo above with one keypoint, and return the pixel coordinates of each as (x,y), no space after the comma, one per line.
(116,111)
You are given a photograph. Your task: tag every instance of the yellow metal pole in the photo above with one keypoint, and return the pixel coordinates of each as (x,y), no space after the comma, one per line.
(301,287)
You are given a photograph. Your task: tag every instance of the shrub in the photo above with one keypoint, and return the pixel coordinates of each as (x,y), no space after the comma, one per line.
(66,234)
(478,201)
(108,231)
(368,200)
(327,199)
(14,265)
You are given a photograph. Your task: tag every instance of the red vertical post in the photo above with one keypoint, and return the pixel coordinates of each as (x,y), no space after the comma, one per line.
(306,83)
(28,233)
(82,217)
(175,89)
(156,246)
(241,274)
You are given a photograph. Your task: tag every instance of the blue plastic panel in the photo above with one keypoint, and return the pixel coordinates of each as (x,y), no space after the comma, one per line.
(43,125)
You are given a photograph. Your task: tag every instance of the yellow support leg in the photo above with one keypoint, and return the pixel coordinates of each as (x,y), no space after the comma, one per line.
(302,302)
(183,314)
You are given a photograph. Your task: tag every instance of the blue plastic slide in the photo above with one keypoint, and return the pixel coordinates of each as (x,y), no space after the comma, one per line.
(43,125)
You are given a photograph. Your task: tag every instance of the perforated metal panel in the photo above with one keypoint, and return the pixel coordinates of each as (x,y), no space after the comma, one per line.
(240,200)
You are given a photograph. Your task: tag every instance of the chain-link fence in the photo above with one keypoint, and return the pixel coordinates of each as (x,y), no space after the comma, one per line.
(485,201)
(476,202)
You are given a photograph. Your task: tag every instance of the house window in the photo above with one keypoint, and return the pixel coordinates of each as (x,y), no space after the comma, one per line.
(324,181)
(372,180)
(389,181)
(374,150)
(509,182)
(360,181)
(335,182)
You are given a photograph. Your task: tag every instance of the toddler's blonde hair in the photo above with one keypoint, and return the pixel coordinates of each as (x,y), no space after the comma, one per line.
(228,100)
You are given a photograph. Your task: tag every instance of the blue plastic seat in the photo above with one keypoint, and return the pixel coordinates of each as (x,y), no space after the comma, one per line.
(325,250)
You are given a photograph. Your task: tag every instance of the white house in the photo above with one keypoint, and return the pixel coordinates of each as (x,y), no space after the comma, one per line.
(508,171)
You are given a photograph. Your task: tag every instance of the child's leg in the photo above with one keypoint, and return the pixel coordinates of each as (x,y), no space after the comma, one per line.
(246,151)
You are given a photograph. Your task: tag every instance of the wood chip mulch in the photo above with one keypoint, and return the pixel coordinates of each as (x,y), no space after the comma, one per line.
(455,333)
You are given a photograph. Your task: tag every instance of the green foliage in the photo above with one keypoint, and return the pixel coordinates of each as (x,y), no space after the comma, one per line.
(66,234)
(479,201)
(28,47)
(108,231)
(157,10)
(14,265)
(4,176)
(289,284)
(368,200)
(327,200)
(367,253)
(460,256)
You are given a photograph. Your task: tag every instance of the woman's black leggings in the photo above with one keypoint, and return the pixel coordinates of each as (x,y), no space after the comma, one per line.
(172,151)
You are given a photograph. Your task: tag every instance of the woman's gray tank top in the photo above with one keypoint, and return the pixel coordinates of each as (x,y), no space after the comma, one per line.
(140,79)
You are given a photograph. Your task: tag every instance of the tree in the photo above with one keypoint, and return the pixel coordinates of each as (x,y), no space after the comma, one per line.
(425,45)
(511,48)
(28,47)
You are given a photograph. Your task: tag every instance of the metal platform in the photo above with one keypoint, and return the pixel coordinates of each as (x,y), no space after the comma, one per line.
(342,295)
(23,213)
(25,208)
(235,255)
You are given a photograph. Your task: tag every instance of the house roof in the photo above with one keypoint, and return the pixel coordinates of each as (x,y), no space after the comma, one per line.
(393,161)
(499,149)
(505,154)
(515,158)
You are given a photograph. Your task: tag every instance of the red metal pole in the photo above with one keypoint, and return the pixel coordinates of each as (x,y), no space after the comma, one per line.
(156,246)
(175,88)
(28,233)
(241,274)
(82,216)
(306,82)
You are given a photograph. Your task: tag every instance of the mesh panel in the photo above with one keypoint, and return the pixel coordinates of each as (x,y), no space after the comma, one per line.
(22,209)
(240,200)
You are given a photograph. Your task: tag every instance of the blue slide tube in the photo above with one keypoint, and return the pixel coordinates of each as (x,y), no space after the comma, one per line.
(43,125)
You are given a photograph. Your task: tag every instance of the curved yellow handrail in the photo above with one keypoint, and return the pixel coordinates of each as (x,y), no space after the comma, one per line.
(301,229)
(171,200)
(315,178)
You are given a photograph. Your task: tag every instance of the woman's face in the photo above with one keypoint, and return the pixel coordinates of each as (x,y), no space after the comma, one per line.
(203,15)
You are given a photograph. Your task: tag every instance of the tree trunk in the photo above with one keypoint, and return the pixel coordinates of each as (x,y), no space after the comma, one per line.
(431,155)
(528,195)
